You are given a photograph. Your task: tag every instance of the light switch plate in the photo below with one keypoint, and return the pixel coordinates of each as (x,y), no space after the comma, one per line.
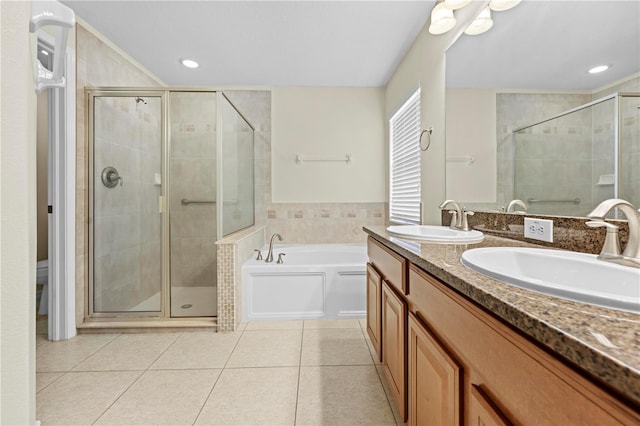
(538,229)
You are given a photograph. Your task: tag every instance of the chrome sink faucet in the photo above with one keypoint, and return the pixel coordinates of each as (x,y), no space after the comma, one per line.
(610,253)
(269,257)
(459,216)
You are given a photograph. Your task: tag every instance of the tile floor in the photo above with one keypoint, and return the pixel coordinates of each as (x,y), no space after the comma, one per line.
(267,373)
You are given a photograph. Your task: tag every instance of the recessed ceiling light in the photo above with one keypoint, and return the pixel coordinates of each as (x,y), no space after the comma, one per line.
(599,68)
(189,63)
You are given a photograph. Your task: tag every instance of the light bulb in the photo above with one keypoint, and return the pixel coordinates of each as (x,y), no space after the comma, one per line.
(481,24)
(442,19)
(501,5)
(456,4)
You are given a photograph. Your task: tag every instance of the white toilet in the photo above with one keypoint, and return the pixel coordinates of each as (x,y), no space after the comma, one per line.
(42,277)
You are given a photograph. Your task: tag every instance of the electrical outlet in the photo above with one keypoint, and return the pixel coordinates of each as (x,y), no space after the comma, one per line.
(538,229)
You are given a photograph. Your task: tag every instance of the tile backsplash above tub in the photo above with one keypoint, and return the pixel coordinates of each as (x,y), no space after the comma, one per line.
(324,222)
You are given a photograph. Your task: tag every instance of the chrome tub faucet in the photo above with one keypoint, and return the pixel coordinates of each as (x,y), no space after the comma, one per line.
(269,257)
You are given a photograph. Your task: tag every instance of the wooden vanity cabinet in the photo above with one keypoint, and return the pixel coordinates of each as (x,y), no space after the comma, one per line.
(434,379)
(505,378)
(374,309)
(394,345)
(387,316)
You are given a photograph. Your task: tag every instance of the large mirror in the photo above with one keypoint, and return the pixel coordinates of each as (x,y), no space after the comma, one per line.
(525,118)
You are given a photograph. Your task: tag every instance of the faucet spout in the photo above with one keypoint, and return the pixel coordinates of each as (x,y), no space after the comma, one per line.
(456,219)
(269,257)
(631,253)
(514,203)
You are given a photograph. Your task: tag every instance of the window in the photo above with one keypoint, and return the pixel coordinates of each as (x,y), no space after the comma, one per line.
(404,136)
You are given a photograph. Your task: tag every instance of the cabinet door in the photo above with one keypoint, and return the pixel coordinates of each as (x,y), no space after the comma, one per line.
(434,380)
(482,412)
(374,309)
(394,346)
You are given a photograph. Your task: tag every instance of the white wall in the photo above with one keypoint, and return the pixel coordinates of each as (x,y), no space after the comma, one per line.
(328,122)
(424,66)
(471,131)
(17,217)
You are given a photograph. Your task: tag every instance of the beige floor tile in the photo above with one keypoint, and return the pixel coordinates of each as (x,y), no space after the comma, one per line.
(80,398)
(252,396)
(274,325)
(363,323)
(345,395)
(390,397)
(269,348)
(198,350)
(163,397)
(66,354)
(45,379)
(341,323)
(335,347)
(241,326)
(129,352)
(372,350)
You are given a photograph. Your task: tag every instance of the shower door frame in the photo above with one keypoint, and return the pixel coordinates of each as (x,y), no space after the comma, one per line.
(163,313)
(616,96)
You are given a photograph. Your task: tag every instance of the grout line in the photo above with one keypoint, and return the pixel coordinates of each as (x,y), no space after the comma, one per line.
(219,375)
(142,372)
(96,351)
(295,413)
(55,380)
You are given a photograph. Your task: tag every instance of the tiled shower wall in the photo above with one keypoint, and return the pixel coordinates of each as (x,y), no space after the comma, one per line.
(553,162)
(97,65)
(518,109)
(515,110)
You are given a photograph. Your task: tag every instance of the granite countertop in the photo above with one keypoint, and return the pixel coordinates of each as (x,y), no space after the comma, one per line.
(603,342)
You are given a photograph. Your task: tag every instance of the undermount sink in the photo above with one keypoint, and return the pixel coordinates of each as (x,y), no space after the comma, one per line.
(575,276)
(435,234)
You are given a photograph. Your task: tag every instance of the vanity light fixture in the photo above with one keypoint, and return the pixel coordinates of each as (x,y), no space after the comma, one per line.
(481,24)
(189,63)
(442,19)
(598,69)
(501,5)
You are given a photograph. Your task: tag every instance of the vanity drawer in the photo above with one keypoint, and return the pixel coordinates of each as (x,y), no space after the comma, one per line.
(391,265)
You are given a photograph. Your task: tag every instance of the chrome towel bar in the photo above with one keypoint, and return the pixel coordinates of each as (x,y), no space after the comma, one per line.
(573,201)
(186,202)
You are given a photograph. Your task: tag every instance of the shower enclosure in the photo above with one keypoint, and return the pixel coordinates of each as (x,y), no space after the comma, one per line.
(171,172)
(569,163)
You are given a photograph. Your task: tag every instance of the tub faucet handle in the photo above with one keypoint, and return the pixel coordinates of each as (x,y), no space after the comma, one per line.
(259,256)
(280,257)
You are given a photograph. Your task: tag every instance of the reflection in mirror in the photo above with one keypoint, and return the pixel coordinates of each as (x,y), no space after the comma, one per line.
(529,68)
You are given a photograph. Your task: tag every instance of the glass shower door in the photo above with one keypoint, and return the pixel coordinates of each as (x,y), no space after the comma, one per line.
(236,164)
(629,154)
(193,228)
(125,242)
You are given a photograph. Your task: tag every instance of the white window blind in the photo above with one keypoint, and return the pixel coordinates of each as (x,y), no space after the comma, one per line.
(404,136)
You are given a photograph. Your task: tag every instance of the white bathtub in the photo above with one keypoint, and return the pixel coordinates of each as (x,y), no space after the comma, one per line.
(316,281)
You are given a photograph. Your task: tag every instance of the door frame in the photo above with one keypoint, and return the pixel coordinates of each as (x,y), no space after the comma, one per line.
(61,195)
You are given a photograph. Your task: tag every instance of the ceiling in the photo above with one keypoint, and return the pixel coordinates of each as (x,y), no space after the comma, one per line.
(550,45)
(536,45)
(262,43)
